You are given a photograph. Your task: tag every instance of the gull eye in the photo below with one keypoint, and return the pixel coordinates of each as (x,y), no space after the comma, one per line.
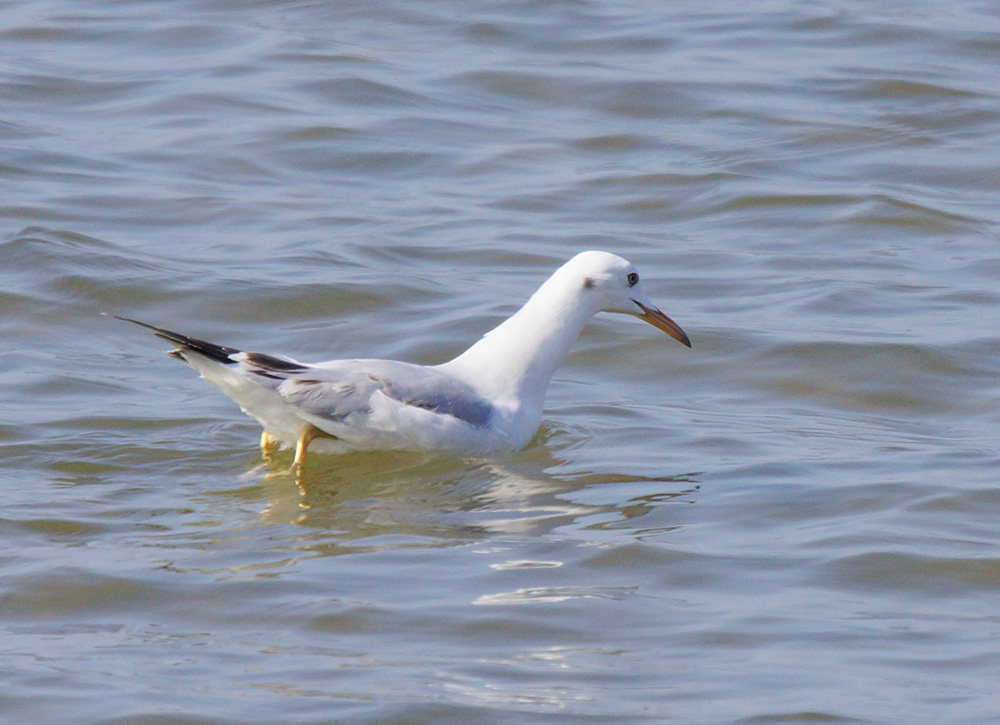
(632,279)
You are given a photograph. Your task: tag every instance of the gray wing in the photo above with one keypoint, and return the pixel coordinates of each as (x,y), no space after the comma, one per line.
(338,389)
(439,393)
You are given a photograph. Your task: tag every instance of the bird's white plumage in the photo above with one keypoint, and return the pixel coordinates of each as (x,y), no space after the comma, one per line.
(487,400)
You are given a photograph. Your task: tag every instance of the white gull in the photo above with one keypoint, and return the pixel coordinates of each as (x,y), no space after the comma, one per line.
(487,400)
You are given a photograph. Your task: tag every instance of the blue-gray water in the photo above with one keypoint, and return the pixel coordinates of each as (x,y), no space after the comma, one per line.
(797,520)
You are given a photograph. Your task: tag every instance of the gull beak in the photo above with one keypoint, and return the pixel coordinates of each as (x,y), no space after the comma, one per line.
(657,319)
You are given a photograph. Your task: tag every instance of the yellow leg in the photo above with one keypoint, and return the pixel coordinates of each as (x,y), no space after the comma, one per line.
(267,444)
(308,434)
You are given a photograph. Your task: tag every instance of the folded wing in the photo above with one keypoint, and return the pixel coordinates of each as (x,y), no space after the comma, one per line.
(340,397)
(336,390)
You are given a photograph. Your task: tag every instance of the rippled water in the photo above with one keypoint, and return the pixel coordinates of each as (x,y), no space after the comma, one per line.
(795,521)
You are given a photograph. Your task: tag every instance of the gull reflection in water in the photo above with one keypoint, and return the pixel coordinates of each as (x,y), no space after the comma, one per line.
(433,501)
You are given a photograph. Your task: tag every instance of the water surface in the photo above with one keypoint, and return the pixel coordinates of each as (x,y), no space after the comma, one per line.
(795,521)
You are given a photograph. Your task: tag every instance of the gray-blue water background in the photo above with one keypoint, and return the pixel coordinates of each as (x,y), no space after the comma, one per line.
(795,521)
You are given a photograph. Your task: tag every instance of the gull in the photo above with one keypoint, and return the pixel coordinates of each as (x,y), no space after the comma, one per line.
(486,401)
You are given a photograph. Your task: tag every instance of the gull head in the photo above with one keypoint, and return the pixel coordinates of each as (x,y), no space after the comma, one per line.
(613,285)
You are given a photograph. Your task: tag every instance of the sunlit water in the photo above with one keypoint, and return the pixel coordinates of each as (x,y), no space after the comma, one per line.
(795,521)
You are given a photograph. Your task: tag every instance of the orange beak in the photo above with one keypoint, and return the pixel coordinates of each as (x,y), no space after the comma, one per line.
(660,321)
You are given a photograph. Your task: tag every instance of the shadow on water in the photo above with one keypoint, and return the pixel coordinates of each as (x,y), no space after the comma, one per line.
(393,499)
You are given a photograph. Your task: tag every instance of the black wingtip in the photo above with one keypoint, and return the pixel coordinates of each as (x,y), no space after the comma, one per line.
(129,319)
(219,353)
